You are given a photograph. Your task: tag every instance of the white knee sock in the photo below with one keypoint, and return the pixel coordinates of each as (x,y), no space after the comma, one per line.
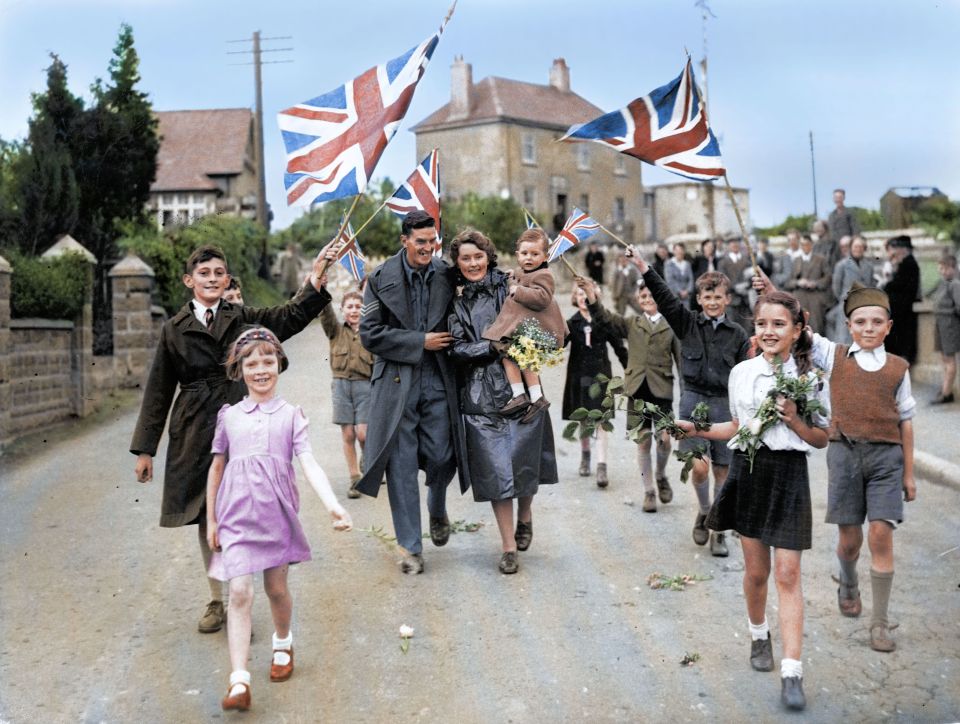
(703,495)
(646,467)
(536,392)
(602,440)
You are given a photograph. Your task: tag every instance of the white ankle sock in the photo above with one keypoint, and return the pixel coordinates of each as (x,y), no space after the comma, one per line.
(516,388)
(236,679)
(281,649)
(791,667)
(536,392)
(759,631)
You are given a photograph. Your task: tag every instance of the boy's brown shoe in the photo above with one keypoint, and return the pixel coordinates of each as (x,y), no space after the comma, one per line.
(213,618)
(850,606)
(517,405)
(663,487)
(880,638)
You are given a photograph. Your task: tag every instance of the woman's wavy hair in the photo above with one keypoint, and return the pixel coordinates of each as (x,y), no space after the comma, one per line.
(803,347)
(479,240)
(249,340)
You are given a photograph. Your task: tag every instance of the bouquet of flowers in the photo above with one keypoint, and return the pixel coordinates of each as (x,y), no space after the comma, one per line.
(798,389)
(533,348)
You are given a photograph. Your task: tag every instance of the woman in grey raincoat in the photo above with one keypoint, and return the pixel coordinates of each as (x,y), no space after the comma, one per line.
(503,459)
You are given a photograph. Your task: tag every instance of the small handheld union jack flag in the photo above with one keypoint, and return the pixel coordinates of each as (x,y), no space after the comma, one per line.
(350,256)
(667,128)
(529,220)
(420,191)
(579,227)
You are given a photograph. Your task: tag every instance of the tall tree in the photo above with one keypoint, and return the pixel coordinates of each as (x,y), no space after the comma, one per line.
(47,188)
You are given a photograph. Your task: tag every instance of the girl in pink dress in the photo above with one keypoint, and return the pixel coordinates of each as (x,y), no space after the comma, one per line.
(252,503)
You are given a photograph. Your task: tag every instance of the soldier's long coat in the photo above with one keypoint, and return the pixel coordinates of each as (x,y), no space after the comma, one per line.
(387,330)
(191,356)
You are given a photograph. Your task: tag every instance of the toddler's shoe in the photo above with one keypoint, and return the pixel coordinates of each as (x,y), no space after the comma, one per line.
(213,619)
(517,405)
(534,409)
(236,702)
(281,667)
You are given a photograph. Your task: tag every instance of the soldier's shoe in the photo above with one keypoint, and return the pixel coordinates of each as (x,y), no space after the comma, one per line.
(213,619)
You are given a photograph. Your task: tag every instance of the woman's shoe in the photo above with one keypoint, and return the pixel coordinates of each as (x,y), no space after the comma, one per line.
(602,479)
(524,535)
(281,672)
(942,399)
(508,563)
(238,702)
(584,463)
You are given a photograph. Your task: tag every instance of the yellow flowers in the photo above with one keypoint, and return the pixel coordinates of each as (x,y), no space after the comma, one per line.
(533,348)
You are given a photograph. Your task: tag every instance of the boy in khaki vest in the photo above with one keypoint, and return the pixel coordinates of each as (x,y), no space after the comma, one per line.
(870,457)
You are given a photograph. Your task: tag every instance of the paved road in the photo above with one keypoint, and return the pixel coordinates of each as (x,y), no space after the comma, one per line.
(99,605)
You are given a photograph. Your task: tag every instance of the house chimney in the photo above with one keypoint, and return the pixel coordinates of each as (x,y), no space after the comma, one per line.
(461,85)
(560,75)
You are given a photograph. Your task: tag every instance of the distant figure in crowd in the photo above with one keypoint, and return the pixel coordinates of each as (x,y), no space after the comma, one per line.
(824,244)
(625,285)
(588,342)
(594,261)
(288,266)
(854,268)
(842,221)
(253,504)
(352,366)
(946,309)
(234,292)
(660,256)
(783,266)
(810,283)
(903,289)
(733,264)
(679,274)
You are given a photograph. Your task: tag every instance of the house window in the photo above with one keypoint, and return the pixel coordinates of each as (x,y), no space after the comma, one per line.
(584,202)
(620,165)
(583,157)
(528,152)
(529,196)
(691,228)
(619,210)
(692,193)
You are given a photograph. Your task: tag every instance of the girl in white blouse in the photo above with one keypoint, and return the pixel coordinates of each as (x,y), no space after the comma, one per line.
(767,500)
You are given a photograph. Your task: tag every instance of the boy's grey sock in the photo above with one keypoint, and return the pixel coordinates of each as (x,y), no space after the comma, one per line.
(848,573)
(880,583)
(703,495)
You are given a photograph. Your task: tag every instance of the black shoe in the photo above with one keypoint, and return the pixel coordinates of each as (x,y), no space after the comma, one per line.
(524,535)
(508,563)
(942,399)
(791,693)
(439,530)
(718,546)
(584,470)
(700,533)
(761,654)
(602,479)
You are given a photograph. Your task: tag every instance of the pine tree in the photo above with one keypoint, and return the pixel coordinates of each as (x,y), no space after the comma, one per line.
(47,191)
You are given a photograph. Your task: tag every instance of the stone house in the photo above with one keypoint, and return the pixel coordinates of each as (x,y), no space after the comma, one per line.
(206,165)
(497,138)
(898,204)
(695,207)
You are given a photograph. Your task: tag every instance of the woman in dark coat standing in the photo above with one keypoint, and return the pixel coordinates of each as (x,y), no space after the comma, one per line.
(503,459)
(588,358)
(903,289)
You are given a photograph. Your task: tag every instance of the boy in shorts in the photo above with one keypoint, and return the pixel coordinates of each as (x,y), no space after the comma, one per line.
(870,457)
(351,365)
(710,346)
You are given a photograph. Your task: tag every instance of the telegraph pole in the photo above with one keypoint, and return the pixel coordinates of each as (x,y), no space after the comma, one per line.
(706,12)
(813,173)
(263,213)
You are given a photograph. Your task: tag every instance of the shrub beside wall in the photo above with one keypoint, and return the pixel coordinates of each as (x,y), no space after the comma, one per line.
(47,288)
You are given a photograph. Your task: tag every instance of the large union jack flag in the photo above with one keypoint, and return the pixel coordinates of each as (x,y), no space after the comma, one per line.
(667,128)
(579,227)
(420,191)
(334,141)
(350,256)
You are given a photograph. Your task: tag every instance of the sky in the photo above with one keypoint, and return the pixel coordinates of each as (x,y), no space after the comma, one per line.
(875,81)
